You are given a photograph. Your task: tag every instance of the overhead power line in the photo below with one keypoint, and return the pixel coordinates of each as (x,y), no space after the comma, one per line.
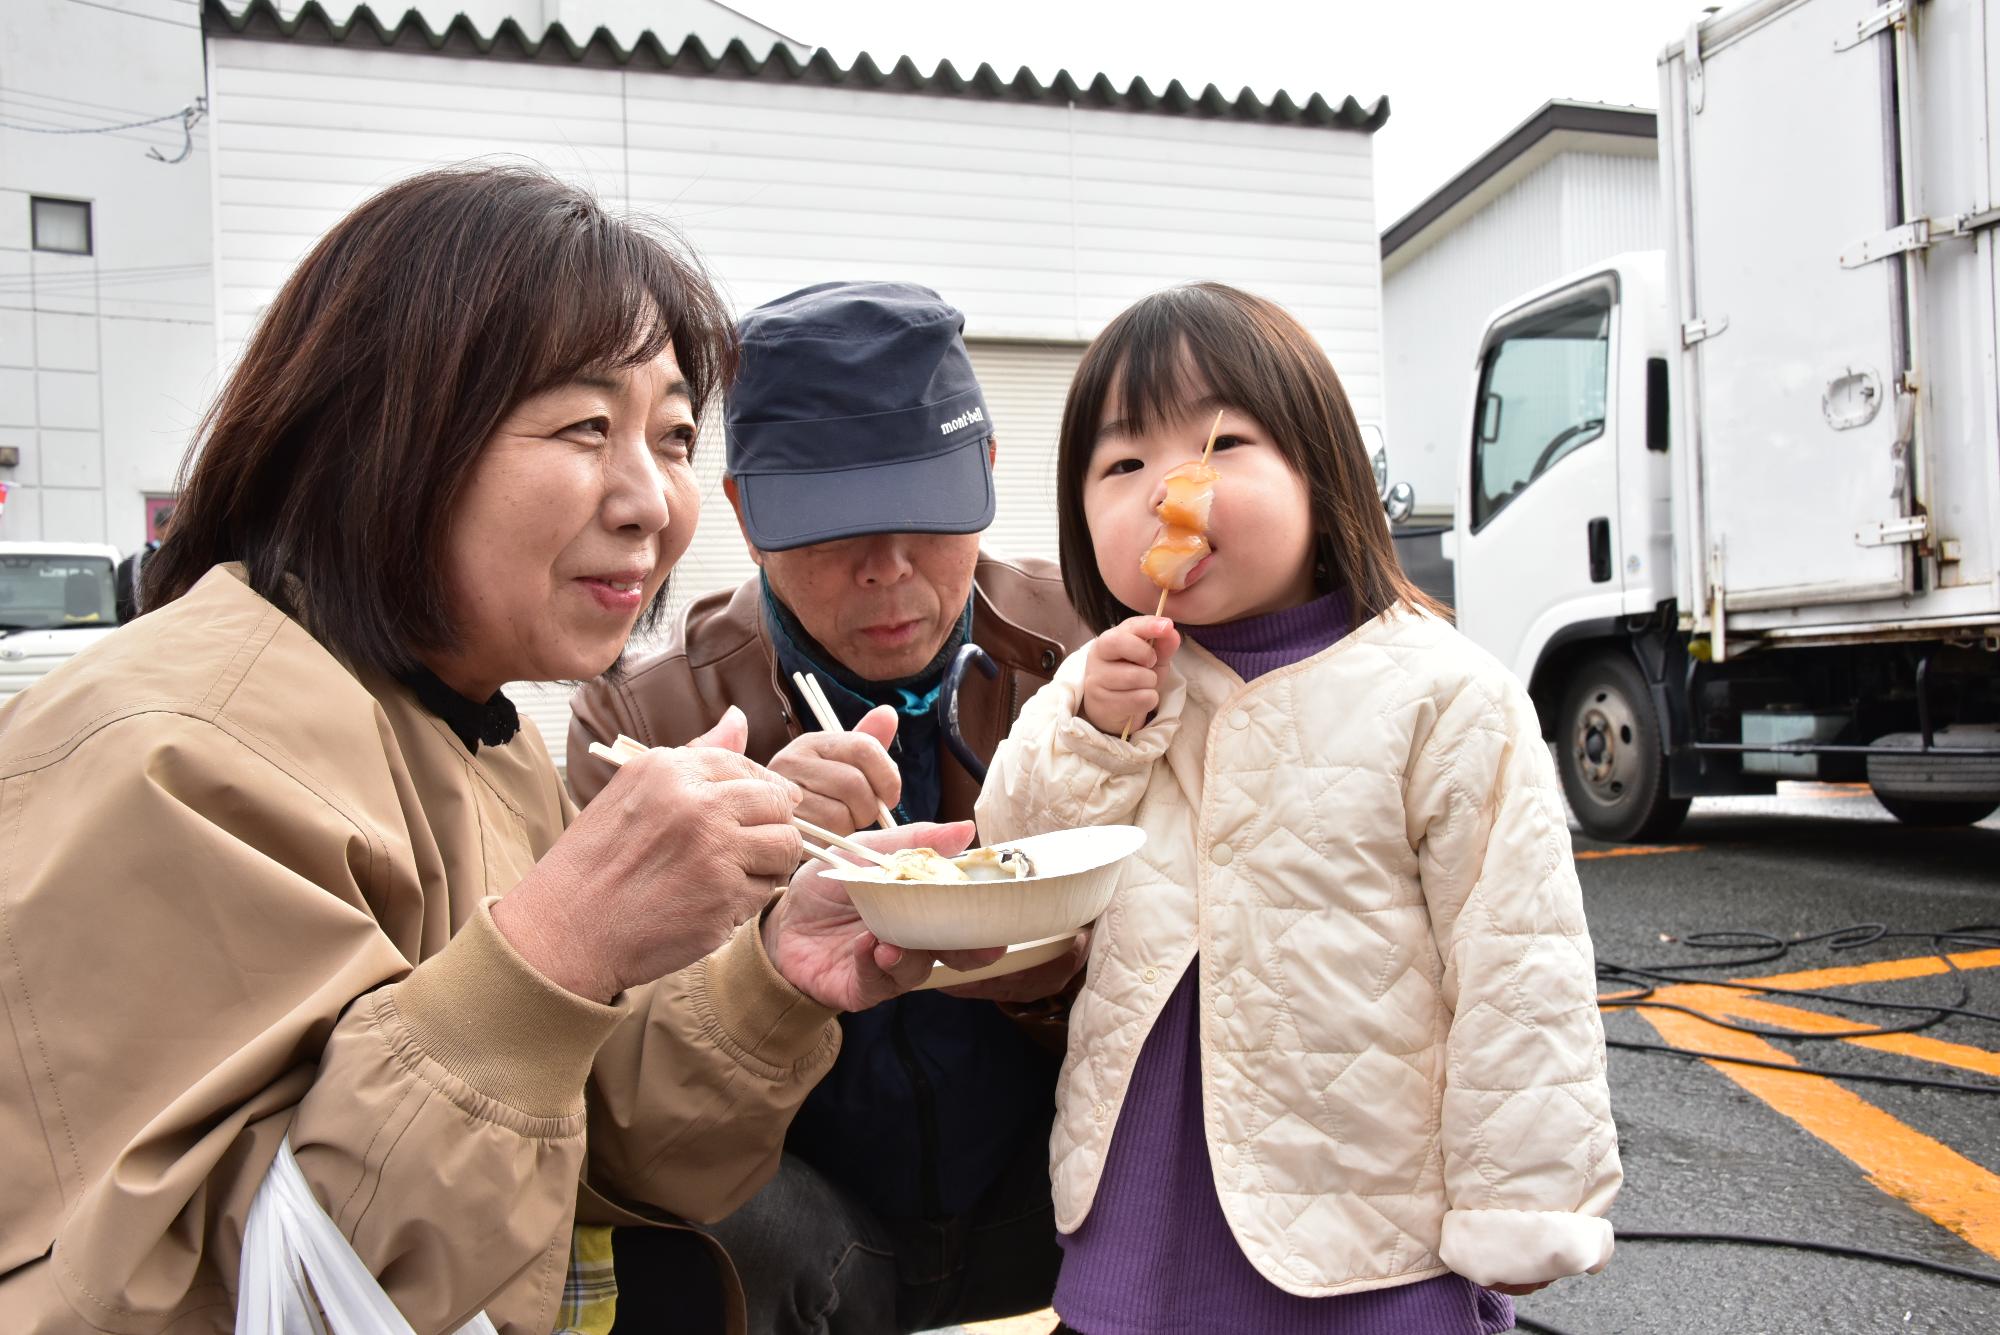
(189,116)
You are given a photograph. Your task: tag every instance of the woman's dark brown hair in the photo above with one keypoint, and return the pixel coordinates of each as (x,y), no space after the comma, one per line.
(1255,358)
(338,449)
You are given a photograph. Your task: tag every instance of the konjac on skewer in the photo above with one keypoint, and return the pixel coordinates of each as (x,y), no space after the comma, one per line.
(1173,554)
(1183,542)
(1190,496)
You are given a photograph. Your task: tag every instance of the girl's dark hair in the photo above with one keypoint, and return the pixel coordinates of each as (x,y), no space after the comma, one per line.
(346,434)
(1260,361)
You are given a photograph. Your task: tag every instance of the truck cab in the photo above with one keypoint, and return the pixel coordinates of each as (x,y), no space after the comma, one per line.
(56,600)
(1562,526)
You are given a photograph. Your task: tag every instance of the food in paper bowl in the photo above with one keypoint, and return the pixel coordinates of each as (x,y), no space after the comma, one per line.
(1025,890)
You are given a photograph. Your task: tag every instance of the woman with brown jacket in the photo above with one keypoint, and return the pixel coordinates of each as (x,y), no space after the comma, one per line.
(278,860)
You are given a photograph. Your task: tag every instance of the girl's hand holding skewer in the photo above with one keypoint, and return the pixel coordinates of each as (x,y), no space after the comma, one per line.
(1125,671)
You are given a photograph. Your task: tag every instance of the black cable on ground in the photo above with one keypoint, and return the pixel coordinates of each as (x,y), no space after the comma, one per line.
(1914,1081)
(1522,1322)
(1641,982)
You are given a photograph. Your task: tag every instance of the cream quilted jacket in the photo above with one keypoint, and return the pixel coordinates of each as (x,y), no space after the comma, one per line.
(1402,1060)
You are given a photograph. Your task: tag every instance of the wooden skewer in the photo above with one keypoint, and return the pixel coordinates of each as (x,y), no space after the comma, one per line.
(839,841)
(823,854)
(822,709)
(1161,610)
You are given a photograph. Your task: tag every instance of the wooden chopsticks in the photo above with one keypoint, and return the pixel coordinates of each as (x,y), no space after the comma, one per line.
(840,841)
(822,709)
(626,748)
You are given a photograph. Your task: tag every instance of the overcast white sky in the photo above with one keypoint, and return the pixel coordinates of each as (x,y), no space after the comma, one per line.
(1458,73)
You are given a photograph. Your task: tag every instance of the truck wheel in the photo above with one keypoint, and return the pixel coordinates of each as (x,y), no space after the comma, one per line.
(1916,811)
(1613,758)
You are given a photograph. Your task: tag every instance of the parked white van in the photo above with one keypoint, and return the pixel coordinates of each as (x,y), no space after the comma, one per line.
(55,600)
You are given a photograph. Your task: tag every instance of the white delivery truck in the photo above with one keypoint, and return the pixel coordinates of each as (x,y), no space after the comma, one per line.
(1733,511)
(56,600)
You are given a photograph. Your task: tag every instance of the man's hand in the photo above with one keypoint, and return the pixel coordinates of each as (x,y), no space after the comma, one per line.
(1044,980)
(844,774)
(1125,672)
(818,942)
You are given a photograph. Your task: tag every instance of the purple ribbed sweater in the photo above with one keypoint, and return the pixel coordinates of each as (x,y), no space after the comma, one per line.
(1155,1254)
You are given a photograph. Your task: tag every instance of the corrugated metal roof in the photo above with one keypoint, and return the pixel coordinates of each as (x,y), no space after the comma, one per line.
(508,41)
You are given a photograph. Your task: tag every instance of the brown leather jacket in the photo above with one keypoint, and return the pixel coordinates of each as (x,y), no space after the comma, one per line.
(721,655)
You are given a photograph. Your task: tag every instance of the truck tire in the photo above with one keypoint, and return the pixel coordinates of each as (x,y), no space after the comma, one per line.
(1938,788)
(1612,753)
(1936,814)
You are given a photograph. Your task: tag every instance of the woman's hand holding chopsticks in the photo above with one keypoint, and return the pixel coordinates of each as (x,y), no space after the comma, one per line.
(682,846)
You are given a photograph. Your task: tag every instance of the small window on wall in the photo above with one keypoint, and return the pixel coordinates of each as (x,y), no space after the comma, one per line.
(61,225)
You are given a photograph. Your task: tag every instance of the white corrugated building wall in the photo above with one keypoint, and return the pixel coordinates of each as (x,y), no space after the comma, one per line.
(1572,185)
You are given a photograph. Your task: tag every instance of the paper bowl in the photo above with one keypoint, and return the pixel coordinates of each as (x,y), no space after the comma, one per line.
(1076,872)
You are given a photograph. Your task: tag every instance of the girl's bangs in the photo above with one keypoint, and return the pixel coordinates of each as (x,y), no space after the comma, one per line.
(1166,361)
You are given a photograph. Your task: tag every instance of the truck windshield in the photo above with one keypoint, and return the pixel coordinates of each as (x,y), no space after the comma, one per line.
(49,592)
(1541,397)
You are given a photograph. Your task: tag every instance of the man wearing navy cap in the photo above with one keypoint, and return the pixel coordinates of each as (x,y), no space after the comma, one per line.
(914,1188)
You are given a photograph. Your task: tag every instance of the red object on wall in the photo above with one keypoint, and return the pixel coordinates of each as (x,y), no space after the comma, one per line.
(157,508)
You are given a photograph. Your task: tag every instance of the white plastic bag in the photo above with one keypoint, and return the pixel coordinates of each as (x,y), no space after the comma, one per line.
(297,1266)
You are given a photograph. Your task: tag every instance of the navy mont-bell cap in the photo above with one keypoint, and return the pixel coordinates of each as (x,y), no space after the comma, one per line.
(855,411)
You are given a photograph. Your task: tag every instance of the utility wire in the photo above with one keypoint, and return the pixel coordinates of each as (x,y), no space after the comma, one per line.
(96,129)
(189,116)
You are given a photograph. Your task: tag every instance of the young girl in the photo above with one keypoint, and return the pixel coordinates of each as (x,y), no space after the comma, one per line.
(1337,1063)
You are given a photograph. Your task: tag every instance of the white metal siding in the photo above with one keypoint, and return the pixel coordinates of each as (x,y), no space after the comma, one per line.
(1039,222)
(1025,384)
(1574,210)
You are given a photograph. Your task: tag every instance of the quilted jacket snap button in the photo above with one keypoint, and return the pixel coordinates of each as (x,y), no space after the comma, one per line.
(1151,974)
(1221,854)
(1225,1006)
(1238,719)
(1229,1155)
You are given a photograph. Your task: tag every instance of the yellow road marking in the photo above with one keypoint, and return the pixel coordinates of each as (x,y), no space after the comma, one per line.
(1635,851)
(1882,971)
(1725,1003)
(1927,1175)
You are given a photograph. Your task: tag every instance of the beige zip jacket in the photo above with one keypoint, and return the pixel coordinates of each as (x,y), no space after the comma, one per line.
(1402,1060)
(244,893)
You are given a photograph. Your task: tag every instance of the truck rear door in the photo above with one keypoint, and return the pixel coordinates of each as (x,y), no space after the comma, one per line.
(1782,154)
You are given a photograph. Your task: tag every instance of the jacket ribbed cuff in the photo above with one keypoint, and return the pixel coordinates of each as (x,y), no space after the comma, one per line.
(763,1015)
(490,1018)
(1524,1246)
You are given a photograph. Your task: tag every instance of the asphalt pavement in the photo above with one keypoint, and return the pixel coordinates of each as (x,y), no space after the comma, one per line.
(1702,1153)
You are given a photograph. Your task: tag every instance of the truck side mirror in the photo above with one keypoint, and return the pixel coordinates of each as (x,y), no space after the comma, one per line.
(1489,419)
(1400,502)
